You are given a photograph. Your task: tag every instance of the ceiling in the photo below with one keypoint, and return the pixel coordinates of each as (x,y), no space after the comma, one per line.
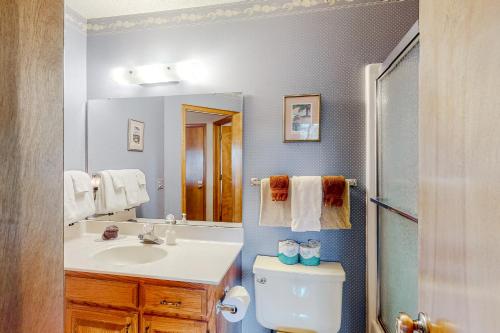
(91,9)
(198,117)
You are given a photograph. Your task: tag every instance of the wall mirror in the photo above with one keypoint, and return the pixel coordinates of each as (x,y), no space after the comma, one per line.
(211,164)
(189,148)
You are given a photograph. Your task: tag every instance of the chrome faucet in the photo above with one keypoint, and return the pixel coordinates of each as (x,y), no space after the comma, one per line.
(149,235)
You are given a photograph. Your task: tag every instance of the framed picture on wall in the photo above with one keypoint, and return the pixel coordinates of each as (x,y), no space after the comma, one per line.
(301,118)
(135,135)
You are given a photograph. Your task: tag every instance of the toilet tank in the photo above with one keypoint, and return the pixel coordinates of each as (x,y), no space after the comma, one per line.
(297,298)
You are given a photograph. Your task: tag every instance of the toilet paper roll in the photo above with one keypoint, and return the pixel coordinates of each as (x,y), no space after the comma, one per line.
(237,296)
(310,253)
(288,252)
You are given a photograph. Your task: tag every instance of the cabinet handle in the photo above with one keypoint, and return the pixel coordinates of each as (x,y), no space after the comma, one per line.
(127,327)
(146,330)
(173,304)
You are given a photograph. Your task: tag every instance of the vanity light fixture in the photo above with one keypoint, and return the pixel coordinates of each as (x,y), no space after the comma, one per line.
(156,74)
(189,71)
(146,75)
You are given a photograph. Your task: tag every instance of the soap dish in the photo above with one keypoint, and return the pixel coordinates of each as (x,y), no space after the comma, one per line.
(110,240)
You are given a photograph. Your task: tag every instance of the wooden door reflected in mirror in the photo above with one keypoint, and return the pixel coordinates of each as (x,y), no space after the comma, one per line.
(196,171)
(211,164)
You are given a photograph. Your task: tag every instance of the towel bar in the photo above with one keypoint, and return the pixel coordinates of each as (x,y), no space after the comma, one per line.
(256,182)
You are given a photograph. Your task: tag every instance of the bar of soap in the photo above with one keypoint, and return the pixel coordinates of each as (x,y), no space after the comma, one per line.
(110,232)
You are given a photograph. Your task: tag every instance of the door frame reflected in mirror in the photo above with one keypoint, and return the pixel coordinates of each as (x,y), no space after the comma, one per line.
(236,160)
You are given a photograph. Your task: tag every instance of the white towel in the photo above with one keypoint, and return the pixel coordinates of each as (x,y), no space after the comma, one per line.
(273,213)
(81,181)
(117,179)
(338,217)
(143,193)
(135,193)
(307,199)
(141,177)
(78,196)
(108,198)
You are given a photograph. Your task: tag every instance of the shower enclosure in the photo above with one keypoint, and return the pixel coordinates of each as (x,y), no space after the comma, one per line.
(397,183)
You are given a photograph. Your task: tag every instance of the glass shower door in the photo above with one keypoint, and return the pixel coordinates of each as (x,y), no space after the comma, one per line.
(397,164)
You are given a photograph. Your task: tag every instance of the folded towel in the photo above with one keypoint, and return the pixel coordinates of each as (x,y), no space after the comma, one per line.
(77,205)
(279,187)
(108,198)
(141,177)
(143,193)
(117,179)
(135,193)
(333,190)
(333,217)
(81,181)
(307,197)
(273,213)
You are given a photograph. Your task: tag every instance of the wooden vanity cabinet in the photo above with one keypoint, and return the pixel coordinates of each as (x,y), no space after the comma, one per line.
(156,324)
(86,319)
(103,303)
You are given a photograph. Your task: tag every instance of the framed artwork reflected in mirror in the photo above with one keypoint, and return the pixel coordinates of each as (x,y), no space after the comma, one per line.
(135,135)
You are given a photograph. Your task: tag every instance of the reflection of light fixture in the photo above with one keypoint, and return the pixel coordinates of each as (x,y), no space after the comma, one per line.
(190,71)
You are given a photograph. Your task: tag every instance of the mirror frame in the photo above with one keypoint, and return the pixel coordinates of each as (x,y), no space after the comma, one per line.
(236,158)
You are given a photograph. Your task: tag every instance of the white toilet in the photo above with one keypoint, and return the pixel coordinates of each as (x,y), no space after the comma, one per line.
(297,298)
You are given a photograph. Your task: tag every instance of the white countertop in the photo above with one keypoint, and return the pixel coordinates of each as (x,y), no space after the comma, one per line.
(194,260)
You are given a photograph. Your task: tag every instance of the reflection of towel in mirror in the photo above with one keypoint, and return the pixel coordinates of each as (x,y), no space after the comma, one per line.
(307,199)
(109,199)
(133,183)
(143,193)
(78,196)
(141,178)
(81,181)
(273,213)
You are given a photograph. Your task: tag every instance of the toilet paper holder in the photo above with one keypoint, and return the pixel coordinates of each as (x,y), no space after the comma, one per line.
(225,307)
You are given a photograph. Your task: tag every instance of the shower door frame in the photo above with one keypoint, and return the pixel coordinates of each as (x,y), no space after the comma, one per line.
(407,43)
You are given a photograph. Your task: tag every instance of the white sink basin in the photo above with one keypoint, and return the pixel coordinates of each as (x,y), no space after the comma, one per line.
(131,255)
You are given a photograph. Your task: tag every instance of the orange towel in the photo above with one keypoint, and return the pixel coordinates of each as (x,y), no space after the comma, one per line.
(279,187)
(333,190)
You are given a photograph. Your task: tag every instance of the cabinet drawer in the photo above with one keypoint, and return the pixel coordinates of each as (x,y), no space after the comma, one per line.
(108,293)
(173,300)
(153,324)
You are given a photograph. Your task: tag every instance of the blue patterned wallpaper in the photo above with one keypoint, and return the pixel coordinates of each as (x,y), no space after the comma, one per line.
(320,51)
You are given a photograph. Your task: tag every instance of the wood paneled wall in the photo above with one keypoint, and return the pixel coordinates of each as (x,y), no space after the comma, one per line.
(459,213)
(31,166)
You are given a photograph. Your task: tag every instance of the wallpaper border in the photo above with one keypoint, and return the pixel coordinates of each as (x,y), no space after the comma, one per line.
(245,10)
(74,19)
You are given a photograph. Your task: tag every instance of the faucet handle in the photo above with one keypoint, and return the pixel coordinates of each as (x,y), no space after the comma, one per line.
(170,219)
(148,228)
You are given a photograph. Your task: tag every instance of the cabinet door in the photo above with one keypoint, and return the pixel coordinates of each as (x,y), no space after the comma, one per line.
(84,319)
(153,324)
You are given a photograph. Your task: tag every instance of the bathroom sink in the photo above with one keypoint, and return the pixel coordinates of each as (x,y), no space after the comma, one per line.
(131,255)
